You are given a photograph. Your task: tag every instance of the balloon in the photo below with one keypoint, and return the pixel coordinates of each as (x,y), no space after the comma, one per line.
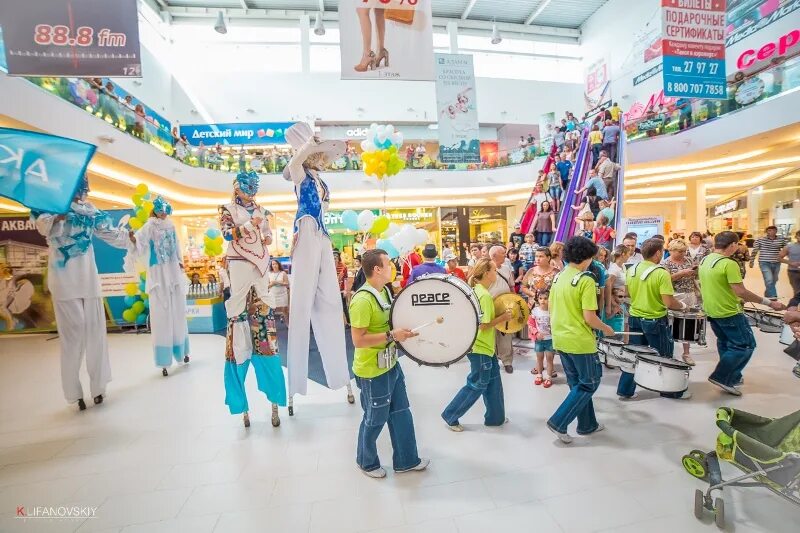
(135,223)
(141,319)
(387,246)
(142,189)
(365,220)
(394,272)
(129,316)
(392,230)
(143,275)
(138,307)
(350,220)
(380,225)
(147,304)
(367,146)
(142,286)
(137,199)
(422,236)
(142,215)
(130,300)
(131,289)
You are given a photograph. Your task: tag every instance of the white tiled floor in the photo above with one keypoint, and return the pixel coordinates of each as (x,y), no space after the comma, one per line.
(164,455)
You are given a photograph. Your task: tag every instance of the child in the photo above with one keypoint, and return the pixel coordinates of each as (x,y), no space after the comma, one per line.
(484,377)
(527,251)
(585,225)
(603,234)
(617,319)
(539,331)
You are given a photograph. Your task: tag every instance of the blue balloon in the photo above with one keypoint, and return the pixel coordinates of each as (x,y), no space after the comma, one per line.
(147,303)
(387,246)
(213,233)
(350,220)
(130,300)
(141,286)
(142,318)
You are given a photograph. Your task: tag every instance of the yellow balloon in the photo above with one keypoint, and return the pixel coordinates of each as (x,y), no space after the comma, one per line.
(135,223)
(384,155)
(381,169)
(131,289)
(394,271)
(142,189)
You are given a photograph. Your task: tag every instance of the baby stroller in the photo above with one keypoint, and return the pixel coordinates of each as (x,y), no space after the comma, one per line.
(766,449)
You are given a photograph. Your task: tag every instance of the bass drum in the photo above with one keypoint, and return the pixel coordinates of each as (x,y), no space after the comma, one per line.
(421,305)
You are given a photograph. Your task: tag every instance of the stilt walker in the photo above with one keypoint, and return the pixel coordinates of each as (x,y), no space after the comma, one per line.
(244,225)
(75,289)
(314,299)
(156,243)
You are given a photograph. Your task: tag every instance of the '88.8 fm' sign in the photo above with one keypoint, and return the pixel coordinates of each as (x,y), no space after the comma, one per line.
(71,38)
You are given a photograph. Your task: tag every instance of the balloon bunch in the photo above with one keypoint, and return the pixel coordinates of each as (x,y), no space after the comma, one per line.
(142,200)
(380,151)
(400,240)
(212,241)
(137,301)
(365,221)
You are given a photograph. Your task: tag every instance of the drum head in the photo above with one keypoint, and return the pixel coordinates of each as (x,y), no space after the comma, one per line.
(663,361)
(637,350)
(612,342)
(421,304)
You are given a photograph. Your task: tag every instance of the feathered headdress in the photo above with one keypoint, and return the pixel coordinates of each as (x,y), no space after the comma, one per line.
(160,205)
(247,182)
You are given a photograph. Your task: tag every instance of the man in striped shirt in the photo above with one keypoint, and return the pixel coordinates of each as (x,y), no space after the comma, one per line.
(768,248)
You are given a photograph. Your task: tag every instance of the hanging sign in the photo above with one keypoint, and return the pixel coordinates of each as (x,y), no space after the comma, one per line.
(694,48)
(245,133)
(456,101)
(82,38)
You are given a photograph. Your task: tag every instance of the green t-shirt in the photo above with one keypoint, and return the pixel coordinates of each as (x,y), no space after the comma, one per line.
(646,299)
(366,313)
(571,333)
(719,300)
(484,342)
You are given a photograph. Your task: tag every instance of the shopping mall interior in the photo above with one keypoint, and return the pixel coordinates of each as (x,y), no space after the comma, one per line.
(439,131)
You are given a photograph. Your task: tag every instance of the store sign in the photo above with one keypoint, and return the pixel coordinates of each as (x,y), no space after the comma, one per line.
(747,18)
(411,216)
(596,84)
(72,38)
(233,134)
(750,91)
(694,48)
(725,208)
(647,74)
(357,132)
(785,45)
(456,100)
(650,124)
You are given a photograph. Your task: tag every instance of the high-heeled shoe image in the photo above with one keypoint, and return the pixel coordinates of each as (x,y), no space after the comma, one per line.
(383,56)
(366,64)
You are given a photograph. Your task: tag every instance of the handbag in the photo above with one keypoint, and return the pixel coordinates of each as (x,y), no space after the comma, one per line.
(403,16)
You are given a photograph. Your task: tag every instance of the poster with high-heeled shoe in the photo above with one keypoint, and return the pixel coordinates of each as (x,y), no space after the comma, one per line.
(386,39)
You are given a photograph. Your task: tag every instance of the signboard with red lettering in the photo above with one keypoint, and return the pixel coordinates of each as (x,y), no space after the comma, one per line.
(694,48)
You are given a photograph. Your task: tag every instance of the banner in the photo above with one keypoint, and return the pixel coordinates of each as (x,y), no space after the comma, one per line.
(236,134)
(40,171)
(746,17)
(596,85)
(644,227)
(694,48)
(547,128)
(72,38)
(457,108)
(406,52)
(25,304)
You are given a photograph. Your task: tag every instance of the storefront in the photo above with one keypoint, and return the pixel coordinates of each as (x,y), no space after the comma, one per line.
(462,226)
(730,215)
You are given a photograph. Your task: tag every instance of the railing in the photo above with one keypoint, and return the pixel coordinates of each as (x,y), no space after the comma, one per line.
(677,115)
(129,115)
(566,219)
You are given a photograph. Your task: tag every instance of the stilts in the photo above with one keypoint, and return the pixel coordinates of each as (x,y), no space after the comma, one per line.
(350,397)
(81,405)
(291,405)
(276,419)
(98,399)
(164,372)
(246,419)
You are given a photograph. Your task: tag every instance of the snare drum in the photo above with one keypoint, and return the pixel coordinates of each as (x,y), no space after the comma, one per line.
(689,326)
(661,374)
(787,335)
(627,358)
(770,321)
(422,303)
(610,351)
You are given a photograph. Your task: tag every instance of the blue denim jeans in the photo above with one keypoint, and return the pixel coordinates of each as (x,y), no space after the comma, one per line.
(583,373)
(544,238)
(770,270)
(555,192)
(658,335)
(385,402)
(735,343)
(482,380)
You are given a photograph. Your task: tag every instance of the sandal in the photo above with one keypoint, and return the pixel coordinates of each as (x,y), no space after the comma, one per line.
(688,359)
(547,383)
(538,380)
(554,374)
(534,371)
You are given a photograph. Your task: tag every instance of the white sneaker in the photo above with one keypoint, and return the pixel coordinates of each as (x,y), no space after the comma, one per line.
(726,388)
(378,473)
(563,437)
(600,427)
(685,396)
(628,398)
(423,464)
(458,428)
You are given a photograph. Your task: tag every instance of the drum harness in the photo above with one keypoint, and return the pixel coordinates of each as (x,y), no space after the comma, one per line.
(388,355)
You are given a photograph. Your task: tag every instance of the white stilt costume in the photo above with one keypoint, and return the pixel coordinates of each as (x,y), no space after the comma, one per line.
(315,300)
(158,247)
(75,290)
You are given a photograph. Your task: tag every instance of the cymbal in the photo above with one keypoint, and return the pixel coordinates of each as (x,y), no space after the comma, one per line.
(518,306)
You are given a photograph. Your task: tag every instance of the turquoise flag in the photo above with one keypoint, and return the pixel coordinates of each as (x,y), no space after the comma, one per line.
(40,171)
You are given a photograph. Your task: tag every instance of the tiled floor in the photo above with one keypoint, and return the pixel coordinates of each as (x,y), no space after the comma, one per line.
(163,454)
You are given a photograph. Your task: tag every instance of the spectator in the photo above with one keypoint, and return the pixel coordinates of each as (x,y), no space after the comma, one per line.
(560,137)
(742,256)
(615,111)
(697,249)
(591,202)
(341,276)
(413,260)
(201,154)
(527,251)
(684,106)
(791,256)
(600,118)
(564,168)
(359,278)
(474,255)
(522,143)
(544,224)
(485,251)
(428,266)
(611,133)
(607,210)
(451,260)
(636,255)
(409,155)
(606,169)
(603,234)
(517,268)
(596,140)
(516,237)
(596,182)
(769,248)
(539,196)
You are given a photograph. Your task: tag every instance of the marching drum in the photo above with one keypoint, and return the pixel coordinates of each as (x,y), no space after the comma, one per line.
(689,326)
(613,351)
(787,336)
(660,374)
(770,322)
(445,312)
(627,357)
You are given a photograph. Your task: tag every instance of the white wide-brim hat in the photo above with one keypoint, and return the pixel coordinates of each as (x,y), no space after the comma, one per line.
(299,134)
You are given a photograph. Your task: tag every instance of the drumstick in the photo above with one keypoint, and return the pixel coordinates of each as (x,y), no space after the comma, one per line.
(628,333)
(438,320)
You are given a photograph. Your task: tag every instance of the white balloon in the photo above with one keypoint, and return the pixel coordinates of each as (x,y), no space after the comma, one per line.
(393,229)
(397,139)
(389,130)
(365,220)
(365,145)
(422,236)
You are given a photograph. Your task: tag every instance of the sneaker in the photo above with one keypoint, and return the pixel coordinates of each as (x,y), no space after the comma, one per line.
(423,464)
(509,369)
(685,396)
(378,473)
(739,383)
(628,398)
(726,388)
(600,427)
(458,428)
(563,437)
(796,370)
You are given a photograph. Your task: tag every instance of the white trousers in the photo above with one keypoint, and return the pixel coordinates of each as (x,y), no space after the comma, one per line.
(81,324)
(169,329)
(315,301)
(244,275)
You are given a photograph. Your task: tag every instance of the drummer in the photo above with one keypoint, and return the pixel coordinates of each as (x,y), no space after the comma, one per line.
(378,375)
(723,291)
(651,291)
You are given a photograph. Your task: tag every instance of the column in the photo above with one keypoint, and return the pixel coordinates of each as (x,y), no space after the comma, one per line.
(695,206)
(305,46)
(452,32)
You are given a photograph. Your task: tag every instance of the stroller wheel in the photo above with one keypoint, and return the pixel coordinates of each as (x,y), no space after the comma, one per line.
(697,467)
(719,513)
(700,455)
(698,504)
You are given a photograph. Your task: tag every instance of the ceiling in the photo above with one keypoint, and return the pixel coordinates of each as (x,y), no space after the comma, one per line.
(555,13)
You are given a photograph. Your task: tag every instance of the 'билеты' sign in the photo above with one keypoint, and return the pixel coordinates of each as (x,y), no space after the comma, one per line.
(694,48)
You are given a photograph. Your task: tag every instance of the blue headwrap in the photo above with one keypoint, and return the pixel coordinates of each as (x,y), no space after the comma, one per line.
(160,205)
(248,182)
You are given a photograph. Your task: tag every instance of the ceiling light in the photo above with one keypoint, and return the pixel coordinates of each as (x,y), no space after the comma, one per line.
(219,26)
(496,37)
(319,28)
(693,166)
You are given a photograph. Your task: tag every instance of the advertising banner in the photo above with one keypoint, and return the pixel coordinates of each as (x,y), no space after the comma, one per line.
(746,17)
(400,37)
(644,227)
(596,85)
(694,48)
(236,134)
(457,106)
(40,171)
(72,38)
(547,127)
(25,304)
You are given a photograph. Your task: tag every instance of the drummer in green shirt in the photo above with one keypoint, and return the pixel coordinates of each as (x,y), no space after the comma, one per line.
(573,313)
(652,294)
(378,375)
(723,292)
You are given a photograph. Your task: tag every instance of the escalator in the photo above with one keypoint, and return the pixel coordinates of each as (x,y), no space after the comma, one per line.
(566,216)
(529,214)
(620,184)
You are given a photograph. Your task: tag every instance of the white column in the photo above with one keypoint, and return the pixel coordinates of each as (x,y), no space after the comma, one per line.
(305,46)
(452,32)
(695,206)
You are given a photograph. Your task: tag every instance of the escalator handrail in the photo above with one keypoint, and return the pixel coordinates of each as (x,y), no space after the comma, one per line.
(529,205)
(566,222)
(620,182)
